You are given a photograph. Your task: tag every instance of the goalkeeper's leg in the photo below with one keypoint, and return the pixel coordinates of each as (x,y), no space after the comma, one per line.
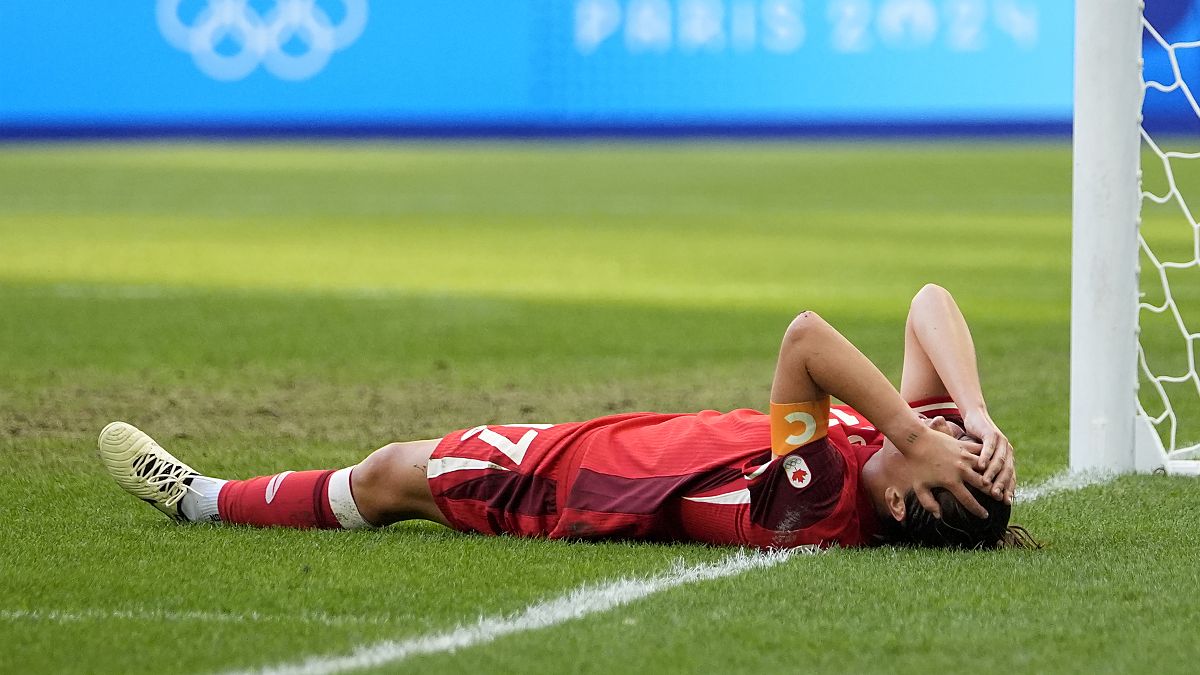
(389,486)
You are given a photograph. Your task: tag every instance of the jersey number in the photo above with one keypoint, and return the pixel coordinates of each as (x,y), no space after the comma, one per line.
(514,451)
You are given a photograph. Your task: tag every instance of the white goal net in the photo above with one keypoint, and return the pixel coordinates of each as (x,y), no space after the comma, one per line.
(1135,279)
(1169,239)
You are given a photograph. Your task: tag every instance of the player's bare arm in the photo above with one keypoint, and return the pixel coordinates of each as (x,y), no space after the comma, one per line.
(939,360)
(816,360)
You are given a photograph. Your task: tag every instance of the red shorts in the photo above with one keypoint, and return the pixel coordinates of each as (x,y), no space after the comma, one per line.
(497,479)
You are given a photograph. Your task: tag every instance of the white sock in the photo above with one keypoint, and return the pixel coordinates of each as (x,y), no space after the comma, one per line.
(199,505)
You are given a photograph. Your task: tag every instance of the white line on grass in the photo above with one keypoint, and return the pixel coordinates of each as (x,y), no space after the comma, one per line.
(78,616)
(1067,481)
(591,599)
(585,600)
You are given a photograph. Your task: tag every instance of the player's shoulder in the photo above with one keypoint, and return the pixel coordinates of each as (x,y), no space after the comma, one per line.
(800,489)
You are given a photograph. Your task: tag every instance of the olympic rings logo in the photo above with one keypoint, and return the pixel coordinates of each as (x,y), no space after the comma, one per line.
(260,39)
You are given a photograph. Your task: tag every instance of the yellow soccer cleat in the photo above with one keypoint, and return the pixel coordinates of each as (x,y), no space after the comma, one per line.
(143,468)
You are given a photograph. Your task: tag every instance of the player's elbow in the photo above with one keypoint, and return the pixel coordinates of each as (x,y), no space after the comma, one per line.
(930,293)
(931,299)
(806,327)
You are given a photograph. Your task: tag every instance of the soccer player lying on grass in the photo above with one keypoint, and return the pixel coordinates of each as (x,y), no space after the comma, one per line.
(935,471)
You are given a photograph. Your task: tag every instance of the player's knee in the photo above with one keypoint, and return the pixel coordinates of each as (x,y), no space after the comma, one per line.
(378,483)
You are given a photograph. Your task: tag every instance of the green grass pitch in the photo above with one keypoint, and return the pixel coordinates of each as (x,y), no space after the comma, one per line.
(265,307)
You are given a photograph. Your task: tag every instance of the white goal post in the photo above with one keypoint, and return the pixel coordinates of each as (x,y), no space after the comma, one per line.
(1109,430)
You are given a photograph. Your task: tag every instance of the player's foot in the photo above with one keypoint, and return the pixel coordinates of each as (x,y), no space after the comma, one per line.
(144,469)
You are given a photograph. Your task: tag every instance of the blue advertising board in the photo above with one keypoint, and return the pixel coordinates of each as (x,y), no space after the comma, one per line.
(1175,24)
(80,67)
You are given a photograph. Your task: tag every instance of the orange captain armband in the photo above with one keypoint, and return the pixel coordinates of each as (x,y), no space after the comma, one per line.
(795,425)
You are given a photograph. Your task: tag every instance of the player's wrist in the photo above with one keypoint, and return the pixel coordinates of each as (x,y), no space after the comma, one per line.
(906,432)
(971,405)
(978,411)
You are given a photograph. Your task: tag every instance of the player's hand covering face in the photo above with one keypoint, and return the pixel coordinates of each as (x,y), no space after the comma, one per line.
(995,459)
(938,460)
(1004,476)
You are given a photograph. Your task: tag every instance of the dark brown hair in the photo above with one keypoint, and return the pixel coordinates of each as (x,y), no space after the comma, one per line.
(957,528)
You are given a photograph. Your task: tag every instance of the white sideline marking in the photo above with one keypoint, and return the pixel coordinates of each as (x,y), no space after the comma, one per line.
(77,616)
(1067,481)
(591,599)
(585,600)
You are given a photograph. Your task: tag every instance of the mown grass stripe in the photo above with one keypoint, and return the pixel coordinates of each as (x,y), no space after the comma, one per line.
(583,601)
(158,615)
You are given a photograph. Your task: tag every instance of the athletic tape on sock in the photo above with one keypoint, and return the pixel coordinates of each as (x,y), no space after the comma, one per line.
(341,501)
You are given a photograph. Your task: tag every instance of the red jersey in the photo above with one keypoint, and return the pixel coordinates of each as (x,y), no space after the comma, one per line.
(708,477)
